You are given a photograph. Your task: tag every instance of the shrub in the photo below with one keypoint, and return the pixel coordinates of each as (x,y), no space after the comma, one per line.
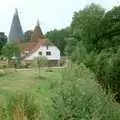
(106,68)
(79,97)
(22,107)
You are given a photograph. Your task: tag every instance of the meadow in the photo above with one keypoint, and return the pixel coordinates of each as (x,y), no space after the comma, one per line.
(14,82)
(69,93)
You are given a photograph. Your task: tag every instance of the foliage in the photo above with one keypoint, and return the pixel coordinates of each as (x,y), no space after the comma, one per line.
(80,53)
(67,93)
(107,69)
(110,29)
(86,23)
(3,40)
(10,50)
(71,45)
(58,38)
(79,97)
(37,90)
(95,41)
(22,107)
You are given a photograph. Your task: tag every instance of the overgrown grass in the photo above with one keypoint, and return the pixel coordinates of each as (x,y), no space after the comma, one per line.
(28,81)
(22,107)
(79,97)
(63,94)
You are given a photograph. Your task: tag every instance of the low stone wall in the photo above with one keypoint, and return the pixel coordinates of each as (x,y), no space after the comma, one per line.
(33,63)
(3,64)
(53,63)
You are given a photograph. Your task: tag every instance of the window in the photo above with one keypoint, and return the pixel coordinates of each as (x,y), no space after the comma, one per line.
(40,53)
(48,53)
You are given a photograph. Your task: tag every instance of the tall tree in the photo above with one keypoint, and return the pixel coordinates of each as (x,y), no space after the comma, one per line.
(86,23)
(100,34)
(110,27)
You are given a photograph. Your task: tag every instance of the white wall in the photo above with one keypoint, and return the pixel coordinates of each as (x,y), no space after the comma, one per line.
(55,53)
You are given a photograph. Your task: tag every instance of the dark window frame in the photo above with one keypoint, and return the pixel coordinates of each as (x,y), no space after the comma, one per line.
(48,53)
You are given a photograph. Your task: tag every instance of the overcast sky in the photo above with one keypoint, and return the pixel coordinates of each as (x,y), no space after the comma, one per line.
(51,13)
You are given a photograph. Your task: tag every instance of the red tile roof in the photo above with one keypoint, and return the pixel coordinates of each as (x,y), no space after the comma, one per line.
(28,48)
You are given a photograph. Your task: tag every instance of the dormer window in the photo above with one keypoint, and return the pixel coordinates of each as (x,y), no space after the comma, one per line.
(40,53)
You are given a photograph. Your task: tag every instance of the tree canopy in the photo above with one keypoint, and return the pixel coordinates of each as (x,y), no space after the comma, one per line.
(11,50)
(58,38)
(99,33)
(93,38)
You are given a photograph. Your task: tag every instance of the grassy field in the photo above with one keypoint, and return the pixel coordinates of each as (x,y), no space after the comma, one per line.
(78,87)
(26,80)
(29,81)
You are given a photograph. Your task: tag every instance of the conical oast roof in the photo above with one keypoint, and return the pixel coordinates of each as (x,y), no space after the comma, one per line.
(37,34)
(16,33)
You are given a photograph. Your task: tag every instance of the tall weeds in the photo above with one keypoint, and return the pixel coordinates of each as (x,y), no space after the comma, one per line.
(21,107)
(79,97)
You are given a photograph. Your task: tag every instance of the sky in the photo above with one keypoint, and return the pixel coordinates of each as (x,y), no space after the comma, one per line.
(51,13)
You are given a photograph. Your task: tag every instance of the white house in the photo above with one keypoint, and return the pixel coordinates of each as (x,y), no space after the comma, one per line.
(43,48)
(50,52)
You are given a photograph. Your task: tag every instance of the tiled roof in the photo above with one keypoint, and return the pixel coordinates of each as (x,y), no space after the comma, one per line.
(31,47)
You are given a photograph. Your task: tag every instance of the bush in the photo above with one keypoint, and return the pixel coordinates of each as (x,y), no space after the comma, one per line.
(49,70)
(22,107)
(79,97)
(107,70)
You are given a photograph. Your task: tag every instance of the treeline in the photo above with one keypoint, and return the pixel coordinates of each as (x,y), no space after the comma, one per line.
(93,38)
(58,37)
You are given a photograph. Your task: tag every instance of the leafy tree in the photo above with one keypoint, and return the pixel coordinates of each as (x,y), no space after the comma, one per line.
(3,40)
(110,27)
(95,42)
(80,53)
(86,23)
(10,50)
(94,39)
(58,38)
(41,62)
(71,45)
